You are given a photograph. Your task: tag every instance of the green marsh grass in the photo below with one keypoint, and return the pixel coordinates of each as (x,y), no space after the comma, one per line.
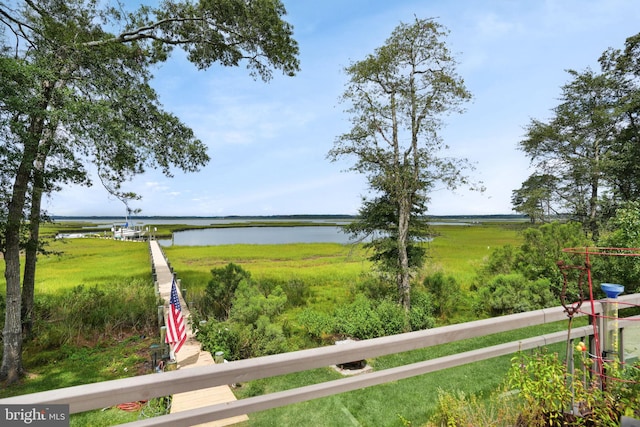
(459,250)
(329,269)
(90,261)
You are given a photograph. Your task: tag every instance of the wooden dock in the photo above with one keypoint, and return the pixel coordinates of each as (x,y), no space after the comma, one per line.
(190,355)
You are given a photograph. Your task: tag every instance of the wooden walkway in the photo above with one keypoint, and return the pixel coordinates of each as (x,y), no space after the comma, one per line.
(190,355)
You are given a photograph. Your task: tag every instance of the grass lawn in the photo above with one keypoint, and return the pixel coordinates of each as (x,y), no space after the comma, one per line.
(392,404)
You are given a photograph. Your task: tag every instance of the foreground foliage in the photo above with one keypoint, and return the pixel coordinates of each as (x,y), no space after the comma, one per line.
(540,391)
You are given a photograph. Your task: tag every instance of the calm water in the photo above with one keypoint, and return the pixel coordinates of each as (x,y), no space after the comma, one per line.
(257,235)
(241,235)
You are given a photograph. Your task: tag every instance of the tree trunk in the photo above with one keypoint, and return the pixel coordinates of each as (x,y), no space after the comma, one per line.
(31,252)
(11,368)
(404,276)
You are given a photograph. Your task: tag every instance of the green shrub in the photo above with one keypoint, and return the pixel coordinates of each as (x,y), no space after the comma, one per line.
(358,319)
(264,338)
(250,330)
(220,291)
(94,312)
(540,391)
(318,325)
(375,287)
(298,292)
(421,313)
(218,336)
(459,409)
(391,317)
(365,318)
(513,293)
(249,304)
(445,294)
(554,396)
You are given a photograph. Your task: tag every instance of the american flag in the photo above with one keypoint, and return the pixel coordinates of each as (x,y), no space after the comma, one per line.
(176,330)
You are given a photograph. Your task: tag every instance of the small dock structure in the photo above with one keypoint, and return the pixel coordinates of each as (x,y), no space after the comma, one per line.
(190,355)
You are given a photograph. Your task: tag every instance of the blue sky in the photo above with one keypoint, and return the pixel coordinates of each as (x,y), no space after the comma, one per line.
(268,141)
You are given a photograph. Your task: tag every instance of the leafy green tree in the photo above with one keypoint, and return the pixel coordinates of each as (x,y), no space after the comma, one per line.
(536,198)
(621,266)
(543,248)
(576,144)
(75,89)
(397,98)
(381,214)
(623,67)
(221,289)
(591,144)
(533,267)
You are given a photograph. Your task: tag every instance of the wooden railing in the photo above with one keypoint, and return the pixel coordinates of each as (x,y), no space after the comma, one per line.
(95,396)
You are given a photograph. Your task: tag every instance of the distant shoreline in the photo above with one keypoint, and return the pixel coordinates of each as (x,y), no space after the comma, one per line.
(284,217)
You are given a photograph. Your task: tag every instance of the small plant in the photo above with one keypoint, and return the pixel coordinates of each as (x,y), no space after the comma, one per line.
(459,409)
(540,392)
(555,397)
(405,422)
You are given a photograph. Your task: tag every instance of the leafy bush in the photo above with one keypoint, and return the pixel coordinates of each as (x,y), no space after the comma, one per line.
(250,304)
(421,313)
(513,293)
(375,286)
(459,409)
(298,292)
(542,249)
(250,330)
(264,338)
(218,336)
(540,391)
(445,294)
(318,325)
(365,318)
(391,317)
(358,319)
(220,290)
(537,259)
